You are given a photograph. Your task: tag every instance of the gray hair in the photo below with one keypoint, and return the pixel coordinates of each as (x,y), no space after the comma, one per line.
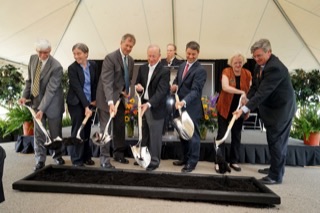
(244,59)
(154,46)
(263,44)
(84,48)
(42,44)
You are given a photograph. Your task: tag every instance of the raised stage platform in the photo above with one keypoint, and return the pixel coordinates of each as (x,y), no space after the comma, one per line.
(254,148)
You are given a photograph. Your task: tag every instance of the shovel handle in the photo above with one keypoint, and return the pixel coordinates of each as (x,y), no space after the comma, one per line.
(115,107)
(177,99)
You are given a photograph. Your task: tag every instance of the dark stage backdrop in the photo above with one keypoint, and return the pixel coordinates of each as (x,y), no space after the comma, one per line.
(213,67)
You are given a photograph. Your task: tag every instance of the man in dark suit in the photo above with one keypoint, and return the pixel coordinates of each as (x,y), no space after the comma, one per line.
(273,93)
(189,82)
(47,99)
(114,82)
(154,78)
(81,98)
(171,60)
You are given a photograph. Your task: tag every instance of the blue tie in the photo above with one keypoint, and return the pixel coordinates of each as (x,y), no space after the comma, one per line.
(126,74)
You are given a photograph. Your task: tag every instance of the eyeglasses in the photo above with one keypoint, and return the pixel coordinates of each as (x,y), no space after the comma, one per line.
(43,52)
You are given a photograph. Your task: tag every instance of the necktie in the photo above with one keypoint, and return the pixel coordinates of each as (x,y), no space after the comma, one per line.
(36,80)
(260,73)
(185,71)
(126,74)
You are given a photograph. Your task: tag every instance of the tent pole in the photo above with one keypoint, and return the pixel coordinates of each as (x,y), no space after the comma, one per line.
(294,29)
(74,12)
(173,23)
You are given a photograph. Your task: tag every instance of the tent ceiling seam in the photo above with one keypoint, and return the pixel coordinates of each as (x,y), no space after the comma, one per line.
(146,20)
(286,17)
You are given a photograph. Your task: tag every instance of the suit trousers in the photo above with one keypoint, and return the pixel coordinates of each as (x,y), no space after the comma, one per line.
(235,137)
(152,136)
(191,148)
(81,152)
(55,130)
(278,144)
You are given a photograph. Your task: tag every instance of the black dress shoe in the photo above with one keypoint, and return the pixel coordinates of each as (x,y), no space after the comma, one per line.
(235,166)
(264,171)
(152,167)
(188,168)
(107,166)
(268,180)
(121,160)
(59,161)
(136,163)
(89,162)
(78,165)
(38,166)
(178,163)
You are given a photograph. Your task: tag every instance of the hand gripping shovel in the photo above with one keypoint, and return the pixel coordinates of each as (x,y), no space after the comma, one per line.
(56,143)
(183,124)
(223,166)
(140,153)
(76,140)
(102,139)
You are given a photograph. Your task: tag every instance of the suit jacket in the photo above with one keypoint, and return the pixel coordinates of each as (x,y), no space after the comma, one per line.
(190,88)
(157,90)
(272,93)
(111,82)
(50,91)
(175,62)
(76,83)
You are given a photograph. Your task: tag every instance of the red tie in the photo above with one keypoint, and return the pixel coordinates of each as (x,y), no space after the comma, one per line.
(185,71)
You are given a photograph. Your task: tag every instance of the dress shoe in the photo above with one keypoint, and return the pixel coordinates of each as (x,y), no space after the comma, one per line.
(107,166)
(136,163)
(178,163)
(268,180)
(78,165)
(121,160)
(39,166)
(188,168)
(264,171)
(235,166)
(89,162)
(59,161)
(152,167)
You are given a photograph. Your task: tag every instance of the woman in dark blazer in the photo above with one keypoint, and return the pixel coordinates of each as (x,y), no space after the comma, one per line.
(80,99)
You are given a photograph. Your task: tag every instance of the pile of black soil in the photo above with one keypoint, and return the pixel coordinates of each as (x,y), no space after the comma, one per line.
(147,179)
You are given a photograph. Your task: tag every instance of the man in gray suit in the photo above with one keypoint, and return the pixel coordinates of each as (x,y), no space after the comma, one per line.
(44,88)
(114,82)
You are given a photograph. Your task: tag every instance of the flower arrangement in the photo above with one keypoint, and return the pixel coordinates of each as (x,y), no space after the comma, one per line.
(131,116)
(210,118)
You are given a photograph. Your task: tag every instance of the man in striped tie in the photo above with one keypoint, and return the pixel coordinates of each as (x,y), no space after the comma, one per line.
(43,87)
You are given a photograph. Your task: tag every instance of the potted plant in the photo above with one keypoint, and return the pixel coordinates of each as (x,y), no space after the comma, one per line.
(18,117)
(306,124)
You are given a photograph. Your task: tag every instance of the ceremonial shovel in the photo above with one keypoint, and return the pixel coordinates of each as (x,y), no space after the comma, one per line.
(183,124)
(102,139)
(223,166)
(76,140)
(141,153)
(56,143)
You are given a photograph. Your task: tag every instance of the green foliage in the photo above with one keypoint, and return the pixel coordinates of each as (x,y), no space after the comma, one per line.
(66,121)
(16,116)
(11,83)
(3,127)
(306,86)
(307,121)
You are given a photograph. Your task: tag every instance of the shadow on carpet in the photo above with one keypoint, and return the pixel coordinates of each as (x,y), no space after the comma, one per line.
(173,186)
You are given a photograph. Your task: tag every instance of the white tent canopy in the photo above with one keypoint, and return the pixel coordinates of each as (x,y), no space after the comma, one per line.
(222,27)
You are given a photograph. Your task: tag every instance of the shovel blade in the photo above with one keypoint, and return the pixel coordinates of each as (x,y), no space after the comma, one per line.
(144,159)
(185,130)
